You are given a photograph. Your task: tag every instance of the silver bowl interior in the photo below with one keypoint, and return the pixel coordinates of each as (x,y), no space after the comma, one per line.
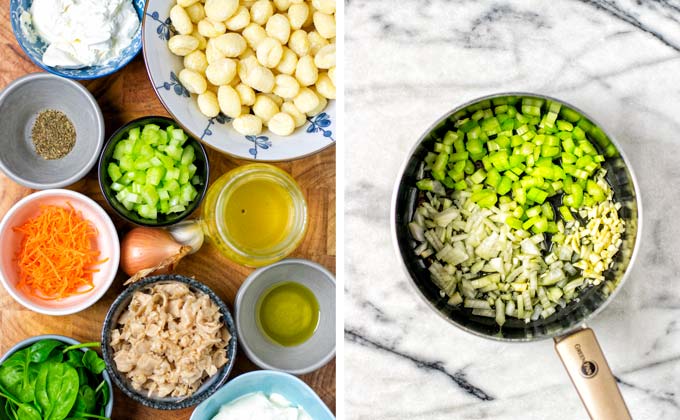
(591,300)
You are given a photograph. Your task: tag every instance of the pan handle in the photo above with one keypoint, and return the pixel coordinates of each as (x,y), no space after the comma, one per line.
(589,372)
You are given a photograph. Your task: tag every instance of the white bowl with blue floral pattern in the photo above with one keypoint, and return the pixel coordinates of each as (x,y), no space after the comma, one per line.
(163,68)
(34,47)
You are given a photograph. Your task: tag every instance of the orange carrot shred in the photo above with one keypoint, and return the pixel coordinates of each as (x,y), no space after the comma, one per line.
(58,254)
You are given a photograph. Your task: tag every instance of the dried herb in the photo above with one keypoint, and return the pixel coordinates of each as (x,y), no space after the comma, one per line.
(53,134)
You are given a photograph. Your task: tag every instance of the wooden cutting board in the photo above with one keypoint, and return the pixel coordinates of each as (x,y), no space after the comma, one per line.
(122,97)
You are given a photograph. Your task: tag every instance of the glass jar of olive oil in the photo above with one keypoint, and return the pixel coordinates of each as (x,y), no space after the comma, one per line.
(255,214)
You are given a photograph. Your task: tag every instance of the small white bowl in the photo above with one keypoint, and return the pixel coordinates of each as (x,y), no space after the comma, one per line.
(107,242)
(300,359)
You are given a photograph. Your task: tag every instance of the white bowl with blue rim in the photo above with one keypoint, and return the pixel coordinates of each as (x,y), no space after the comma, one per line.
(34,47)
(269,382)
(163,67)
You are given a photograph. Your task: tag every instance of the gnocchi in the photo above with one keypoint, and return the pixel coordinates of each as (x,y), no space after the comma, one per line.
(263,63)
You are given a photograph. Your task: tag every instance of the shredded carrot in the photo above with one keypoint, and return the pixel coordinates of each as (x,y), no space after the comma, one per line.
(58,253)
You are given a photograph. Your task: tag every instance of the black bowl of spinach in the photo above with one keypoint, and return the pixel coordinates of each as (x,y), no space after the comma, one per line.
(52,377)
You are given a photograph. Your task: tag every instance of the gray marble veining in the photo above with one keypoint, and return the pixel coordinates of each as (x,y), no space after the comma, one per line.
(409,62)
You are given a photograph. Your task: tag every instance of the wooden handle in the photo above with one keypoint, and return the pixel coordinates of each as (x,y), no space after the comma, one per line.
(589,372)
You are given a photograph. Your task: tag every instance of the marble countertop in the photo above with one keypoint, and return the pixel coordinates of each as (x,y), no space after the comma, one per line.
(409,62)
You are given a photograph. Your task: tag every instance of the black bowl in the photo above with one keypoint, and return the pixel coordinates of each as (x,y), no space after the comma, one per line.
(210,385)
(201,162)
(591,300)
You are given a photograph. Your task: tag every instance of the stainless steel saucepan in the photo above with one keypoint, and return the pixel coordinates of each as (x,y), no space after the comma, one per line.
(575,343)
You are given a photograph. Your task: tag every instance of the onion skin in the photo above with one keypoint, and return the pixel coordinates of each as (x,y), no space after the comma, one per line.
(144,247)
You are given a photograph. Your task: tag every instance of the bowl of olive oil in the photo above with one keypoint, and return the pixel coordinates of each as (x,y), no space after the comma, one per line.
(285,316)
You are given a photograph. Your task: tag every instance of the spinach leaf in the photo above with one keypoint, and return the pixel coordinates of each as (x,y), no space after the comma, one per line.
(4,409)
(17,359)
(17,378)
(40,351)
(86,401)
(75,358)
(103,389)
(27,412)
(93,362)
(56,390)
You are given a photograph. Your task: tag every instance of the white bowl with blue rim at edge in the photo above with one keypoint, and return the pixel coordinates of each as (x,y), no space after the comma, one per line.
(268,382)
(34,47)
(163,67)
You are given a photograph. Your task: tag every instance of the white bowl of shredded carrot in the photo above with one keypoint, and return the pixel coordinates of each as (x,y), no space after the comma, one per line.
(60,252)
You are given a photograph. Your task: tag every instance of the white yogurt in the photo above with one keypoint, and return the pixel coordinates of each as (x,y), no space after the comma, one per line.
(257,406)
(83,33)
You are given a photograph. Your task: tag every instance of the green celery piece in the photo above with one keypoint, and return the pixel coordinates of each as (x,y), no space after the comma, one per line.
(133,134)
(595,191)
(469,167)
(447,181)
(120,150)
(510,174)
(504,186)
(177,208)
(116,186)
(450,137)
(568,158)
(163,194)
(513,222)
(530,222)
(192,169)
(478,177)
(126,163)
(569,114)
(114,172)
(438,147)
(150,195)
(460,185)
(142,163)
(196,180)
(477,115)
(540,226)
(587,147)
(184,176)
(164,206)
(437,175)
(519,194)
(440,163)
(468,125)
(493,178)
(458,157)
(500,160)
(578,133)
(154,175)
(424,184)
(537,195)
(139,177)
(566,214)
(563,125)
(187,193)
(548,211)
(174,151)
(474,146)
(533,211)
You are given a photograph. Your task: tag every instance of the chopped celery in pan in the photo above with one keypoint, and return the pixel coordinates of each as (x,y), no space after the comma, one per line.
(517,217)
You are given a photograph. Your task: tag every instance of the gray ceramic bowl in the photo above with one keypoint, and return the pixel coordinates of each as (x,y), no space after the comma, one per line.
(20,103)
(70,341)
(308,356)
(208,388)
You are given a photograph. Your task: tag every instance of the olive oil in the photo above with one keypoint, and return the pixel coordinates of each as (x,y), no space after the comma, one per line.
(287,313)
(257,214)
